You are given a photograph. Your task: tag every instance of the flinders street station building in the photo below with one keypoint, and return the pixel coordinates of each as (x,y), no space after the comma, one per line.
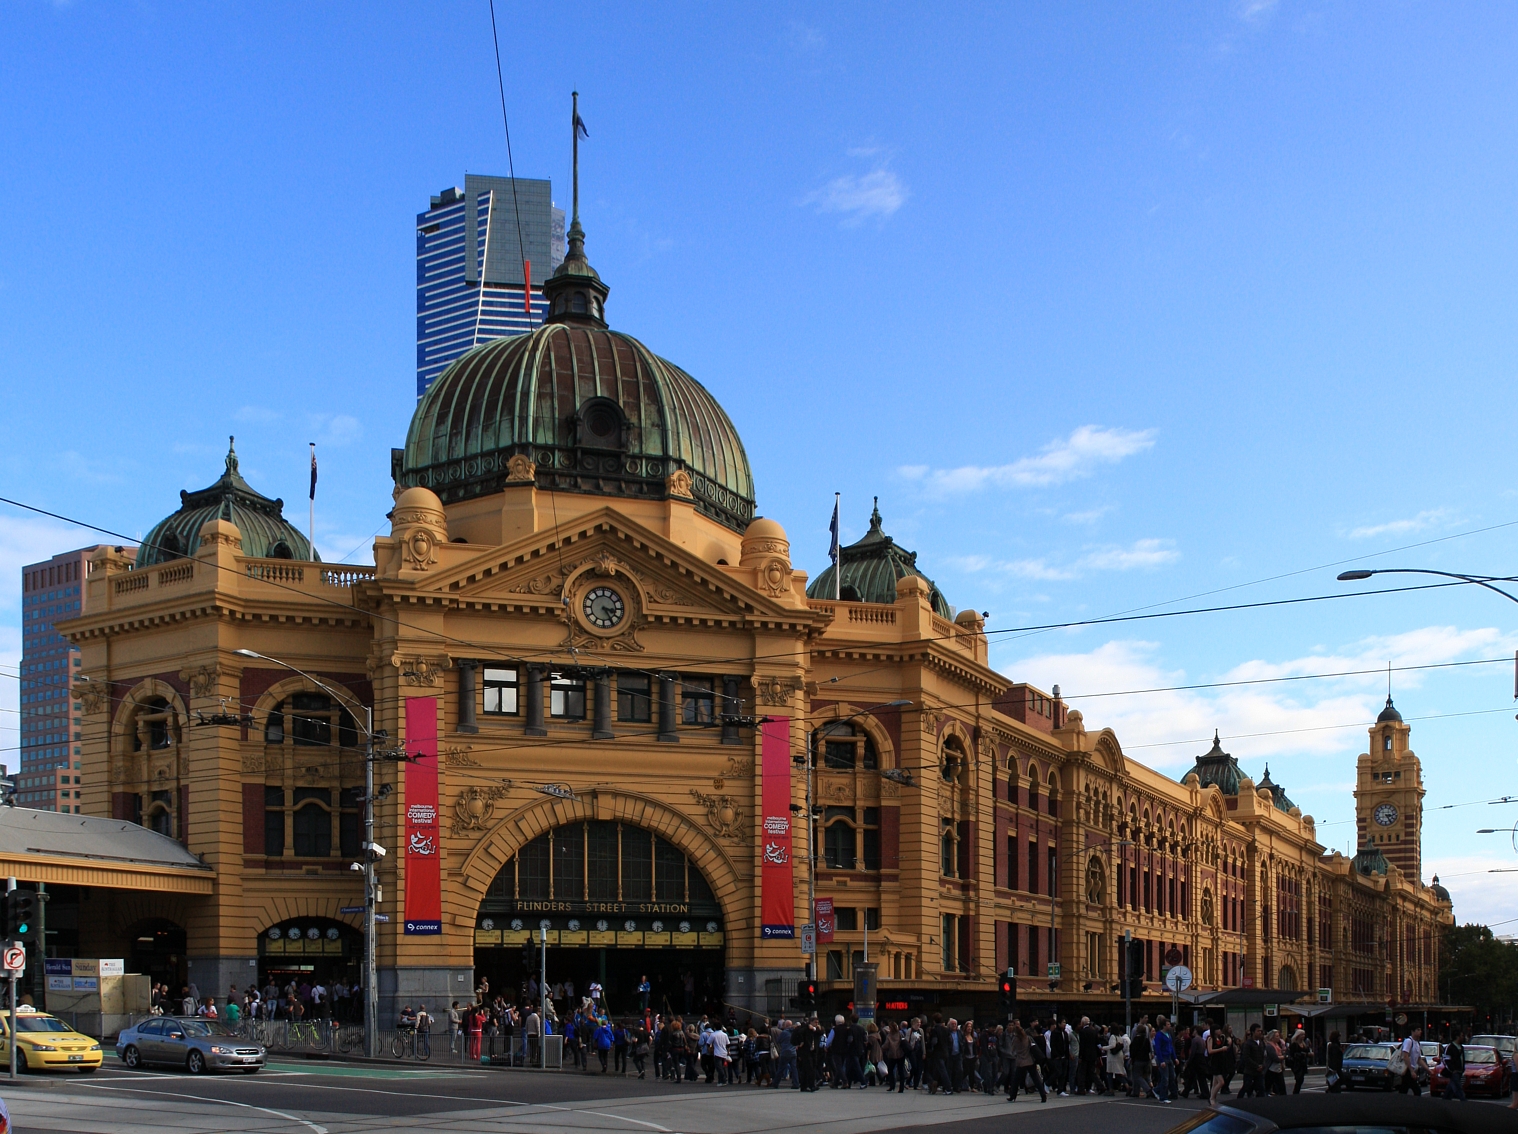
(612,719)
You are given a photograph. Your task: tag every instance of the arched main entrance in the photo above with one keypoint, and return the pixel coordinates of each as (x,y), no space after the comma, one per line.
(617,903)
(301,952)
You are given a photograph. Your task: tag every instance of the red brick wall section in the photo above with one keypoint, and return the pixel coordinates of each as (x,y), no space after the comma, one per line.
(121,805)
(184,814)
(1003,948)
(967,943)
(253,818)
(890,838)
(966,843)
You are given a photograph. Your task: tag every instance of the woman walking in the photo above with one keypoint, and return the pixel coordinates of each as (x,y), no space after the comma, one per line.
(1024,1062)
(1219,1059)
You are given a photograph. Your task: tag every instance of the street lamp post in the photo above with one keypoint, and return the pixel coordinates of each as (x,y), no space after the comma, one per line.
(371,992)
(1479,580)
(895,775)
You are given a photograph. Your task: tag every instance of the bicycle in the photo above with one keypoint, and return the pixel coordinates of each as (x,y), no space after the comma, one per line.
(419,1042)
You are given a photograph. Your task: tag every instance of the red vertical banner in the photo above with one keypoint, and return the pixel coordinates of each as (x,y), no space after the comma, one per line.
(424,868)
(777,892)
(827,921)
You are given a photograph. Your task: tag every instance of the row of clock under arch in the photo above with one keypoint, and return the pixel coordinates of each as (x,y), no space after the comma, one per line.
(602,926)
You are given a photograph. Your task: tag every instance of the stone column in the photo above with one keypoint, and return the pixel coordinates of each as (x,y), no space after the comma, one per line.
(668,710)
(600,728)
(466,721)
(534,696)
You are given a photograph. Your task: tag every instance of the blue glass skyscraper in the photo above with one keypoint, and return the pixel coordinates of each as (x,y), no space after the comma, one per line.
(470,275)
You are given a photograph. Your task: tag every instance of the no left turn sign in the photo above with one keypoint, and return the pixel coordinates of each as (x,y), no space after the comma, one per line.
(15,958)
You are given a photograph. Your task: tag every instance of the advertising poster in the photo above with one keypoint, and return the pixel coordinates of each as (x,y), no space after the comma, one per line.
(777,894)
(827,922)
(424,868)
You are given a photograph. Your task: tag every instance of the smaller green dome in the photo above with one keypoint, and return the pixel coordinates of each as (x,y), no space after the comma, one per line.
(1277,792)
(1370,860)
(871,569)
(266,534)
(1219,768)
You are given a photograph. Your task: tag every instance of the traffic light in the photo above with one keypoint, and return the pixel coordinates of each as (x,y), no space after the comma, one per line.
(1006,997)
(20,915)
(806,994)
(1134,973)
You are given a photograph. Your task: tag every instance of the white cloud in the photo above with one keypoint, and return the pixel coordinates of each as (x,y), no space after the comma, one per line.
(1265,722)
(335,429)
(259,414)
(1252,11)
(878,193)
(1086,449)
(1144,553)
(1402,527)
(1090,516)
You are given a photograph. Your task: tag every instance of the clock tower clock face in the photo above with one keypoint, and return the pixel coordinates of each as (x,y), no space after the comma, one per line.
(1385,815)
(603,607)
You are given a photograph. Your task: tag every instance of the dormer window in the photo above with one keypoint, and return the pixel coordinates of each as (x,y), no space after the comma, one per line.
(577,304)
(1386,743)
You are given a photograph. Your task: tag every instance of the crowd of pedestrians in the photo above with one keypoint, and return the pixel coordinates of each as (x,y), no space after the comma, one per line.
(305,999)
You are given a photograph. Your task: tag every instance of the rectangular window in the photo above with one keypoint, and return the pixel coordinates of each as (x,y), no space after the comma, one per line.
(835,964)
(1051,875)
(635,700)
(501,691)
(569,863)
(1032,866)
(669,872)
(847,919)
(698,701)
(602,858)
(838,754)
(838,838)
(566,697)
(1133,887)
(872,918)
(274,821)
(1012,857)
(313,822)
(532,870)
(637,865)
(870,838)
(1122,885)
(1032,951)
(950,941)
(351,824)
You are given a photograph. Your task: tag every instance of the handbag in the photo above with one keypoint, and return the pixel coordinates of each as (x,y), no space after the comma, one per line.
(1397,1064)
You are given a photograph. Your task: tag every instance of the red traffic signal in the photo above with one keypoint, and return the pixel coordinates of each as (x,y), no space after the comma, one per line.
(806,992)
(1005,986)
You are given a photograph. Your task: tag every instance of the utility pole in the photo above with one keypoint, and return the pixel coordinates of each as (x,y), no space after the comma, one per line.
(1127,980)
(371,993)
(10,886)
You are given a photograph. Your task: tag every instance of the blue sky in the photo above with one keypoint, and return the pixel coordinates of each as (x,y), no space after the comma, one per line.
(1110,306)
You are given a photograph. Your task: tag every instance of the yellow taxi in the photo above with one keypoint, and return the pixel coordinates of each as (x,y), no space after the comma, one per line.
(46,1043)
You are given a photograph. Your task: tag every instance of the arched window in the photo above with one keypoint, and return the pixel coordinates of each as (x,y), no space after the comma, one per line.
(1053,794)
(154,725)
(170,546)
(846,746)
(948,850)
(160,813)
(954,760)
(313,822)
(577,303)
(281,550)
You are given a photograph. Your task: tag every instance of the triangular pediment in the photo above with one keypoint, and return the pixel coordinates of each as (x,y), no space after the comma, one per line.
(670,581)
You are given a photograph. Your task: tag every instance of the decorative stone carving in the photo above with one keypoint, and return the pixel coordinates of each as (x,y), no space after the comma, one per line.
(541,585)
(841,790)
(739,766)
(423,672)
(670,597)
(776,690)
(202,681)
(419,526)
(775,577)
(722,814)
(677,484)
(521,470)
(625,642)
(474,806)
(456,756)
(92,694)
(253,763)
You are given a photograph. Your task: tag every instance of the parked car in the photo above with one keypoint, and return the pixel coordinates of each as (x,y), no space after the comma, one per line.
(1487,1072)
(185,1041)
(1366,1065)
(47,1043)
(1504,1044)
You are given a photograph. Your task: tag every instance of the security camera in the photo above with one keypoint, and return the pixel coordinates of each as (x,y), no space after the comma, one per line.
(355,866)
(375,849)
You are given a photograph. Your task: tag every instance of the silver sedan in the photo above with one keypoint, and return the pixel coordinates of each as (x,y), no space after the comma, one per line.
(196,1045)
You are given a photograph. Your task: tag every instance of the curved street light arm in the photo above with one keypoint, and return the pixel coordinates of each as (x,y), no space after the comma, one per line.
(341,696)
(1480,580)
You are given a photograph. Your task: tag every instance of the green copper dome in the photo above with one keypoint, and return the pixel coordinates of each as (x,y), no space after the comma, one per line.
(871,568)
(1370,860)
(594,410)
(1219,768)
(1277,792)
(266,534)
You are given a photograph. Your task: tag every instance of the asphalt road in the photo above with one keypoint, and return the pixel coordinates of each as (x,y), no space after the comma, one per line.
(312,1097)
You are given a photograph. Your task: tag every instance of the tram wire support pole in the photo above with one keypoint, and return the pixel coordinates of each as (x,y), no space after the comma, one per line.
(10,886)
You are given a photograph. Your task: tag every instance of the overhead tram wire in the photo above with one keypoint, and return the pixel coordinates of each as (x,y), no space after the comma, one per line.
(485,650)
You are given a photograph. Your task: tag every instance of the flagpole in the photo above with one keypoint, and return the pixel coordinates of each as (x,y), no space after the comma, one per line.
(838,567)
(311,517)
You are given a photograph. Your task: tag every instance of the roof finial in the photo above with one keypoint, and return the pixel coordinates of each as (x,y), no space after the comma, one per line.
(231,453)
(875,516)
(576,129)
(1217,740)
